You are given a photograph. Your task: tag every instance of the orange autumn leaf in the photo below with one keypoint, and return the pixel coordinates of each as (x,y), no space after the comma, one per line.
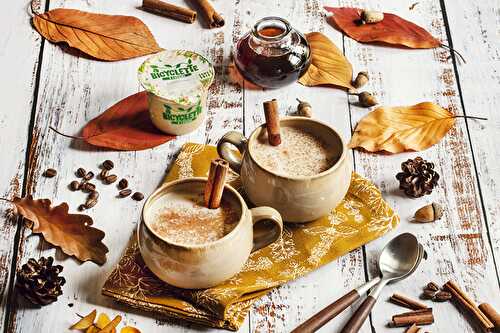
(391,30)
(129,329)
(402,128)
(328,64)
(125,126)
(85,322)
(104,37)
(71,232)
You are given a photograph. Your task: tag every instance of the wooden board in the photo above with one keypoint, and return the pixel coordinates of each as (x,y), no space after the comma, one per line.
(73,89)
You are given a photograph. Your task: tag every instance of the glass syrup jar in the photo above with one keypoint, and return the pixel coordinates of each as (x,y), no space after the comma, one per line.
(272,54)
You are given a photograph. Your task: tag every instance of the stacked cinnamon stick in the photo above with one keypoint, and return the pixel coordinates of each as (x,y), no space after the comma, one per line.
(212,17)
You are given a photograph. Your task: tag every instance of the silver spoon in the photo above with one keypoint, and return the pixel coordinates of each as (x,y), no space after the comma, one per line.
(400,258)
(331,311)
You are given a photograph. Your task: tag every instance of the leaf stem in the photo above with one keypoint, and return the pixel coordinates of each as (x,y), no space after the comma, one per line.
(454,51)
(470,117)
(66,135)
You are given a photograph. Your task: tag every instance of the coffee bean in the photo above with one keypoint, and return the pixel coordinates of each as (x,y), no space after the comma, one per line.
(110,179)
(123,184)
(88,187)
(138,196)
(442,296)
(125,193)
(74,185)
(80,173)
(90,203)
(432,286)
(428,294)
(94,195)
(89,175)
(81,208)
(49,173)
(108,165)
(103,174)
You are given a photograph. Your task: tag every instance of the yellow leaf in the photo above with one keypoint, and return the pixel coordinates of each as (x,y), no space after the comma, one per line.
(328,64)
(111,326)
(129,329)
(92,329)
(85,322)
(102,320)
(402,128)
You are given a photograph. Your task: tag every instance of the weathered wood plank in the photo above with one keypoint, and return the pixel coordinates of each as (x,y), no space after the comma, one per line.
(474,31)
(73,90)
(458,244)
(19,52)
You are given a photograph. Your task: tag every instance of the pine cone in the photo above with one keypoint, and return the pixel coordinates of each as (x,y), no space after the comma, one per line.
(39,281)
(418,177)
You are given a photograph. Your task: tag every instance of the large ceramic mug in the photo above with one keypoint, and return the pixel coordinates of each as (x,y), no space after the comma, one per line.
(206,265)
(298,199)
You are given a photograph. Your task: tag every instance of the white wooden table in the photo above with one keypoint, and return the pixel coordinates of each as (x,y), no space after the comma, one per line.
(44,84)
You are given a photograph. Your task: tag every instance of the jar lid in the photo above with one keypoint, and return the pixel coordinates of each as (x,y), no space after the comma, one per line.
(179,76)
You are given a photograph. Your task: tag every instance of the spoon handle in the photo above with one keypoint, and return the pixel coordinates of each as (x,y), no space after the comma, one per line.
(359,317)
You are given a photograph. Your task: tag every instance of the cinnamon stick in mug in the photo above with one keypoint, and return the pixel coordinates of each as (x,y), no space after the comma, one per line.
(272,122)
(214,19)
(169,10)
(214,187)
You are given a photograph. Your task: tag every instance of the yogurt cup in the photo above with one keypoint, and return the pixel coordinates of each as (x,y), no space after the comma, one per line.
(177,83)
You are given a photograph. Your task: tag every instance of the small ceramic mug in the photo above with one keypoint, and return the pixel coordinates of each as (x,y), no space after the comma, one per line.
(298,199)
(206,265)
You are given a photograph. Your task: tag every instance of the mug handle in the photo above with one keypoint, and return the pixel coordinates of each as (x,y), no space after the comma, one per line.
(267,226)
(224,148)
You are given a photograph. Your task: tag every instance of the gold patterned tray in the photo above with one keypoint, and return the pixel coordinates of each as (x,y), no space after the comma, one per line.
(361,217)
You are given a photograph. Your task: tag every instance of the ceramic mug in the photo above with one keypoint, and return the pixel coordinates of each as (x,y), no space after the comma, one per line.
(298,199)
(206,265)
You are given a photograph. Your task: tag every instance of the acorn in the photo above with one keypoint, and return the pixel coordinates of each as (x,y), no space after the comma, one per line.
(429,213)
(304,109)
(371,16)
(366,99)
(361,79)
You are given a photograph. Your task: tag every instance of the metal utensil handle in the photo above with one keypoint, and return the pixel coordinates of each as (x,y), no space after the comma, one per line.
(359,317)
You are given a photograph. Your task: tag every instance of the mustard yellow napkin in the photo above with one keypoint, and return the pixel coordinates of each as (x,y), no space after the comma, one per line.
(361,217)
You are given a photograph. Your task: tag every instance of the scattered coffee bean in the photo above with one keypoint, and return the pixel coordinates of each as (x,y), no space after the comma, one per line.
(428,294)
(94,195)
(81,208)
(442,296)
(89,175)
(49,173)
(74,185)
(138,196)
(432,286)
(90,203)
(80,173)
(125,193)
(88,187)
(123,184)
(103,174)
(108,165)
(110,179)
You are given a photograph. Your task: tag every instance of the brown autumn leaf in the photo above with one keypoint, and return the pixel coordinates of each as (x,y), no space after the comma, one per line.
(125,126)
(104,37)
(328,64)
(71,232)
(391,30)
(402,128)
(85,322)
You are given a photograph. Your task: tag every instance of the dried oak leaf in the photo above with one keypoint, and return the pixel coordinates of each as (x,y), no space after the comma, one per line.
(104,37)
(391,30)
(402,128)
(328,64)
(85,322)
(125,126)
(71,232)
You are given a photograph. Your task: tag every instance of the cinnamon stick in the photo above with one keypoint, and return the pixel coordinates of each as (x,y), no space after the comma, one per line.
(214,187)
(272,122)
(213,18)
(413,329)
(418,317)
(491,313)
(169,10)
(407,302)
(468,304)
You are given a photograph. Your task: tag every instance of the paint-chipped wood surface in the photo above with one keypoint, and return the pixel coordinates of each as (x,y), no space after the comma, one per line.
(46,84)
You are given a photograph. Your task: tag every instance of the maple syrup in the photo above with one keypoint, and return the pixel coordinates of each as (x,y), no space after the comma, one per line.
(273,54)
